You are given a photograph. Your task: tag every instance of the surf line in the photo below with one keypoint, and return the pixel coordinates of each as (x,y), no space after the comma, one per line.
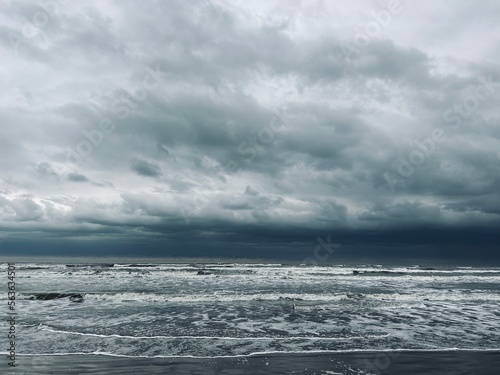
(315,338)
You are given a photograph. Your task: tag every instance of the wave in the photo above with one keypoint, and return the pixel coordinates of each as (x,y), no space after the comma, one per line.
(423,296)
(140,297)
(264,353)
(262,266)
(314,338)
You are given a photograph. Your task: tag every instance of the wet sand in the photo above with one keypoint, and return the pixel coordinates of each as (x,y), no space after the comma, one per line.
(406,362)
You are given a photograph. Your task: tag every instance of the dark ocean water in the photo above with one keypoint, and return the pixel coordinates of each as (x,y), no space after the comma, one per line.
(234,310)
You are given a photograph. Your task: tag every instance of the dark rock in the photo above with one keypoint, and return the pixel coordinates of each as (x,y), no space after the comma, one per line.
(201,272)
(91,265)
(75,297)
(141,265)
(377,273)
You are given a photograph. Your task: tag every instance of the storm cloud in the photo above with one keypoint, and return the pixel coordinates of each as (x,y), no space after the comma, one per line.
(232,128)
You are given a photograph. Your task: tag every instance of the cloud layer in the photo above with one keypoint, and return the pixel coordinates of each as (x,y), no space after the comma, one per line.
(221,127)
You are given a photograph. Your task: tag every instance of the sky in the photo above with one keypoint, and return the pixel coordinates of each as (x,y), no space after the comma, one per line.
(277,129)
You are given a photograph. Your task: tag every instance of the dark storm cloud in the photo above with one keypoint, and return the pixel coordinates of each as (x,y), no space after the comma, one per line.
(76,177)
(145,168)
(219,125)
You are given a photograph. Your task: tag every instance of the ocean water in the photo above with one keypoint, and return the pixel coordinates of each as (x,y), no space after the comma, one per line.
(236,310)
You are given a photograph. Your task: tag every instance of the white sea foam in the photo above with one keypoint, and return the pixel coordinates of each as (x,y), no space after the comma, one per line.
(274,338)
(264,353)
(215,297)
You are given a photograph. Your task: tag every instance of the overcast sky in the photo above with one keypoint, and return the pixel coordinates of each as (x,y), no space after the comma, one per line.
(249,128)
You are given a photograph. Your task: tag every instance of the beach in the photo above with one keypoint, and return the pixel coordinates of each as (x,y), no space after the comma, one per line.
(406,362)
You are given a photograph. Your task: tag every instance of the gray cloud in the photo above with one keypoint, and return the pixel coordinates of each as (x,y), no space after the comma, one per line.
(76,177)
(247,124)
(146,168)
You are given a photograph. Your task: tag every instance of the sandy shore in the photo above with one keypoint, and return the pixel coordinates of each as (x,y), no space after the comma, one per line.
(407,362)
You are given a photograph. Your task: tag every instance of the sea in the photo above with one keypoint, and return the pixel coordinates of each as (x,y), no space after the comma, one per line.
(247,317)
